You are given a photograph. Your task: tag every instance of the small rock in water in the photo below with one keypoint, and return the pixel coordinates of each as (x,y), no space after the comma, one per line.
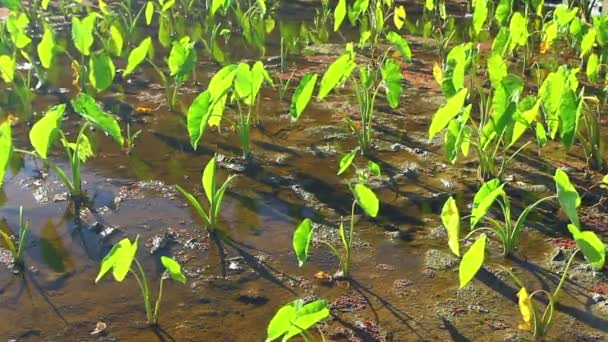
(161,241)
(438,260)
(61,197)
(596,298)
(99,328)
(447,184)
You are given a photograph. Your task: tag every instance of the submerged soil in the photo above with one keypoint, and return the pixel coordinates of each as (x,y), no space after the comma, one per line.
(405,281)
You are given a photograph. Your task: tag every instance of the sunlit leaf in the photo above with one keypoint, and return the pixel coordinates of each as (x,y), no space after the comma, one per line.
(6,147)
(208,180)
(46,47)
(336,74)
(149,12)
(44,130)
(591,245)
(339,14)
(391,76)
(174,269)
(137,56)
(400,44)
(366,199)
(198,117)
(346,161)
(472,261)
(525,308)
(302,95)
(484,198)
(7,68)
(480,15)
(447,112)
(116,41)
(101,71)
(88,108)
(451,221)
(568,197)
(82,33)
(302,237)
(399,17)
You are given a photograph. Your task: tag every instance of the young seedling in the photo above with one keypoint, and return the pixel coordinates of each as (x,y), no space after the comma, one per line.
(587,243)
(48,129)
(131,139)
(295,319)
(17,247)
(364,197)
(244,84)
(120,260)
(507,230)
(214,196)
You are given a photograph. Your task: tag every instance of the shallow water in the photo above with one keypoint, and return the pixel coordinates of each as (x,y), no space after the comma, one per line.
(397,293)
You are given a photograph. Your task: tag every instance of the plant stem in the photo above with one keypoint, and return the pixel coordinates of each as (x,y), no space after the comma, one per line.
(563,279)
(159,298)
(145,292)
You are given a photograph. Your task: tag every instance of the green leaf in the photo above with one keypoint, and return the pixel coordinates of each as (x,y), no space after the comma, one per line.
(480,14)
(497,69)
(208,180)
(526,114)
(593,65)
(281,322)
(447,112)
(86,106)
(198,117)
(182,58)
(119,260)
(82,33)
(194,202)
(541,134)
(101,71)
(339,14)
(346,161)
(503,11)
(400,44)
(518,28)
(307,316)
(174,268)
(149,12)
(45,130)
(374,168)
(46,47)
(587,42)
(218,87)
(116,41)
(83,150)
(219,196)
(472,261)
(391,76)
(451,221)
(17,25)
(302,237)
(6,147)
(399,17)
(217,4)
(137,56)
(366,199)
(569,113)
(591,245)
(167,5)
(567,195)
(7,68)
(484,198)
(303,94)
(336,74)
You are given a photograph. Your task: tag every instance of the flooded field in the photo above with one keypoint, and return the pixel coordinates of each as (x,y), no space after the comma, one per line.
(410,124)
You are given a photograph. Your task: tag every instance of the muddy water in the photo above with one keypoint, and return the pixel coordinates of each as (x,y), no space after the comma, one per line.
(405,281)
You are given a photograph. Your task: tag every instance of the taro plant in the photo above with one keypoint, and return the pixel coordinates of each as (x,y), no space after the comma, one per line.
(47,130)
(506,229)
(120,260)
(243,83)
(295,319)
(17,246)
(364,197)
(214,195)
(181,62)
(370,81)
(534,316)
